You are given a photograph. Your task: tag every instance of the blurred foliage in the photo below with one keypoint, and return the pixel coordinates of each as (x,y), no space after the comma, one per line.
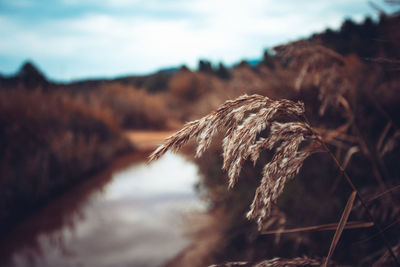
(367,39)
(49,142)
(53,135)
(268,59)
(222,72)
(131,108)
(184,85)
(205,66)
(157,83)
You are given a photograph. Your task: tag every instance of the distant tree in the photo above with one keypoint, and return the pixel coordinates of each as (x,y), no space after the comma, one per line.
(205,66)
(157,82)
(31,78)
(268,59)
(243,64)
(222,72)
(184,68)
(348,28)
(360,39)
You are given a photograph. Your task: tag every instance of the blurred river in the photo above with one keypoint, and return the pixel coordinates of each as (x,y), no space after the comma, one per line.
(132,214)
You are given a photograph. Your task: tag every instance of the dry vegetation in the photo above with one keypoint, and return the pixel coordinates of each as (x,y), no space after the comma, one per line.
(130,107)
(241,121)
(353,119)
(349,83)
(275,262)
(48,143)
(53,136)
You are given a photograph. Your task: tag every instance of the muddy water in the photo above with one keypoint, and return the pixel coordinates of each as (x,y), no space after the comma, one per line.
(131,217)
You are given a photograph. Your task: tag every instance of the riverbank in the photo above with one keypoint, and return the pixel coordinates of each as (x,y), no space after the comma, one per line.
(147,140)
(140,141)
(124,215)
(48,144)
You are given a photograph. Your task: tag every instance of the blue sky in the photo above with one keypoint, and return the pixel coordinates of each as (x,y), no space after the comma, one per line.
(74,39)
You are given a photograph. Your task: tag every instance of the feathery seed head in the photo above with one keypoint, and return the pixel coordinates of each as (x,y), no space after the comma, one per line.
(322,65)
(242,120)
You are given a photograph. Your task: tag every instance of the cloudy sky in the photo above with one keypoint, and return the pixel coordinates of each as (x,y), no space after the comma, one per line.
(73,39)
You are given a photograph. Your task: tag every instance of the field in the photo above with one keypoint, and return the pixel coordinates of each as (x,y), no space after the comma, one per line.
(325,108)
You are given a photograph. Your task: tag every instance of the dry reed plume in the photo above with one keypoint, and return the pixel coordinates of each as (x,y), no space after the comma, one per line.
(323,66)
(242,120)
(390,144)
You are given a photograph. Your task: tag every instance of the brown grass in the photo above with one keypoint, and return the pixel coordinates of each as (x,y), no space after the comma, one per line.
(242,121)
(145,139)
(48,143)
(131,108)
(320,66)
(275,262)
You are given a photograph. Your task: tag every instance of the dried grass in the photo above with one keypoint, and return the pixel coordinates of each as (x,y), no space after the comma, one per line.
(242,120)
(323,66)
(289,136)
(390,144)
(341,225)
(49,142)
(275,262)
(385,259)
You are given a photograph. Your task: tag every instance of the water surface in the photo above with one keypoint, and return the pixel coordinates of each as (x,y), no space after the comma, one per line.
(134,217)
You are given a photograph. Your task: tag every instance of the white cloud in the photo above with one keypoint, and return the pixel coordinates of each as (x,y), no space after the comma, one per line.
(21,3)
(111,44)
(108,3)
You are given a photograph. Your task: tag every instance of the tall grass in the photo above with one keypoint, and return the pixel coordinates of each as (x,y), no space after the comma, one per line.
(48,143)
(242,121)
(131,107)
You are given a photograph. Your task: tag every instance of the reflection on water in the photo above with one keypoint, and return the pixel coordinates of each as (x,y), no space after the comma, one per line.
(133,217)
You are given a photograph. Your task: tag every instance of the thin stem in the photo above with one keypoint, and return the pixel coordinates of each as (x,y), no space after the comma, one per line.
(371,159)
(383,193)
(363,202)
